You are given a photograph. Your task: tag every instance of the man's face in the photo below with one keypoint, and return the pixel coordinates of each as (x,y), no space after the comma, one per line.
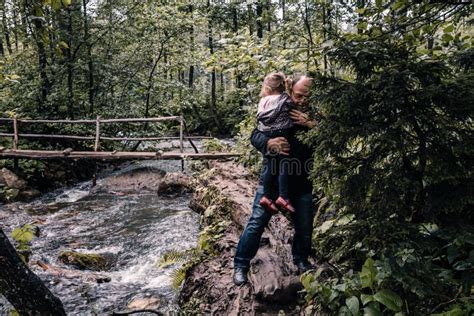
(301,92)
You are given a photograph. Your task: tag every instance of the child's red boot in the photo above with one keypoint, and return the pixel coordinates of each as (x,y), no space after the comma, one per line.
(268,205)
(285,204)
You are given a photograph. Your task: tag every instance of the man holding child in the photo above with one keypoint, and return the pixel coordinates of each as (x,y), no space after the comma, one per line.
(281,116)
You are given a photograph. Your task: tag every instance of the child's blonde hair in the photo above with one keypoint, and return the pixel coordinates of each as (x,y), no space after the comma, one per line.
(273,82)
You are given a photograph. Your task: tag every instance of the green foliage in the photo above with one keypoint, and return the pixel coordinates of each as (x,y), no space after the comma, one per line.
(250,157)
(394,155)
(23,237)
(171,257)
(214,146)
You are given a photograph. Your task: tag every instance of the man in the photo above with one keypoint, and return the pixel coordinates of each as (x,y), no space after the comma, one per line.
(300,190)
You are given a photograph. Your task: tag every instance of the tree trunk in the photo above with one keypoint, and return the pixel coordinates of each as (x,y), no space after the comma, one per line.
(90,64)
(259,13)
(15,26)
(6,31)
(250,17)
(24,23)
(70,66)
(360,5)
(213,73)
(36,31)
(21,287)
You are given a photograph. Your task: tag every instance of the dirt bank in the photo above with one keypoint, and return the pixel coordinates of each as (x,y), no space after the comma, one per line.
(273,284)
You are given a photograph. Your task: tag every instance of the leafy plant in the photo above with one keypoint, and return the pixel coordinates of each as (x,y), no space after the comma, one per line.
(395,139)
(23,237)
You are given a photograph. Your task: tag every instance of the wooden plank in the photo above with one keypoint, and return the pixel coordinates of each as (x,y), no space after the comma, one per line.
(137,120)
(56,121)
(152,138)
(56,136)
(120,120)
(104,138)
(46,154)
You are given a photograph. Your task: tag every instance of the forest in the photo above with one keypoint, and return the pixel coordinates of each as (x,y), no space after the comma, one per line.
(392,94)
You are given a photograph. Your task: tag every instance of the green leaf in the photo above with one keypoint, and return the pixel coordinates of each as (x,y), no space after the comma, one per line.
(362,25)
(56,4)
(398,5)
(448,29)
(365,298)
(389,299)
(23,234)
(372,311)
(447,38)
(344,311)
(368,273)
(353,305)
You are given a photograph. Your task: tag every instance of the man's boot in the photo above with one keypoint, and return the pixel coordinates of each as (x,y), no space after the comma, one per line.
(240,276)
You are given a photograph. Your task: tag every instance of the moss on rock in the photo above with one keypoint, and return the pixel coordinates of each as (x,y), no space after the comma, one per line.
(85,261)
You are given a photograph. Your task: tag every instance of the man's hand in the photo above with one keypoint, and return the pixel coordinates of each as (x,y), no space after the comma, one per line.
(300,118)
(278,145)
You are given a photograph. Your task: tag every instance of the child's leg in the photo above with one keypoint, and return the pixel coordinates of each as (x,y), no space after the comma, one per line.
(268,176)
(283,177)
(283,200)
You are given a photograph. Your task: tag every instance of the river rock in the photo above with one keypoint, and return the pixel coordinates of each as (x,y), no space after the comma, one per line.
(86,261)
(29,194)
(11,180)
(144,303)
(175,183)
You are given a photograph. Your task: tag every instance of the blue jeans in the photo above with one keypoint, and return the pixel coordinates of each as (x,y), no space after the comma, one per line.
(302,220)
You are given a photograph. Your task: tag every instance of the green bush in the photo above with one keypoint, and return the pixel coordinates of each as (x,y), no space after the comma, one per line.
(394,156)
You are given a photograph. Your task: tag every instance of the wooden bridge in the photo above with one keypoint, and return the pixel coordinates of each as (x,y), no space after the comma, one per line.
(15,152)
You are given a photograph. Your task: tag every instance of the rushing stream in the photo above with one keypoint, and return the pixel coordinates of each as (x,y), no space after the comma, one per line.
(134,228)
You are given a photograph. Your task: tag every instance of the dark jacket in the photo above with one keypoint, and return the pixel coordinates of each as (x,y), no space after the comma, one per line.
(301,159)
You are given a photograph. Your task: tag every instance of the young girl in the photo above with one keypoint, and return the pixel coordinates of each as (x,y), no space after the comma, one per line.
(274,121)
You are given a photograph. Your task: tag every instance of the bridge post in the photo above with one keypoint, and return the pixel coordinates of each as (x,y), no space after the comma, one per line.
(181,143)
(97,133)
(96,148)
(15,143)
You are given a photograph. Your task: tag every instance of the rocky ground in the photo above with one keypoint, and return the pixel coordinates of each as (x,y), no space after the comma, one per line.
(274,283)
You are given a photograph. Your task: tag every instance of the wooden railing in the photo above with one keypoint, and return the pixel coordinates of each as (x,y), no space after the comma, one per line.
(16,153)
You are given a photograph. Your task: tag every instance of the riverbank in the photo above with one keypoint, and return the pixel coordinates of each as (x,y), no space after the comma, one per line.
(122,220)
(225,194)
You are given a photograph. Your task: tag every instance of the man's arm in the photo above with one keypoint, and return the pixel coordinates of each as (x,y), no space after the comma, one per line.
(259,141)
(266,144)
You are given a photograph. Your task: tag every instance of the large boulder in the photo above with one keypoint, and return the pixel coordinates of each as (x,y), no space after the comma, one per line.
(175,183)
(11,180)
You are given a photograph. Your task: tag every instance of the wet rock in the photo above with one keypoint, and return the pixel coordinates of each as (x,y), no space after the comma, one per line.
(144,303)
(86,261)
(175,183)
(133,181)
(29,194)
(11,180)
